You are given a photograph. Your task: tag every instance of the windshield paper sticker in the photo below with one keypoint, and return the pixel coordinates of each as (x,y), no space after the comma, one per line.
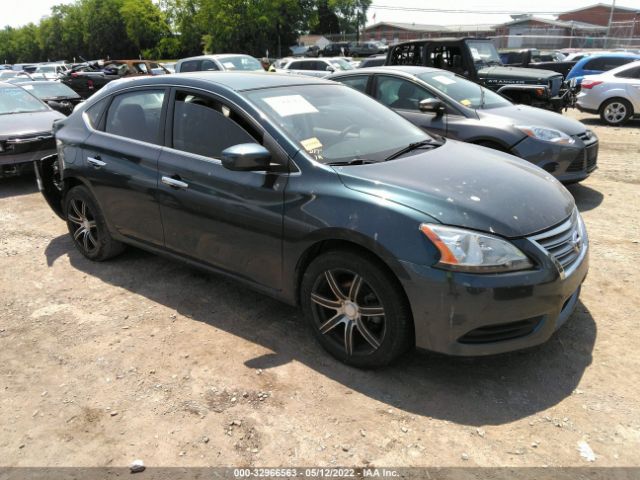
(288,105)
(466,102)
(475,54)
(229,65)
(314,147)
(444,80)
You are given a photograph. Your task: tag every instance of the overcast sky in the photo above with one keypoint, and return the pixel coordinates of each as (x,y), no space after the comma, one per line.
(20,12)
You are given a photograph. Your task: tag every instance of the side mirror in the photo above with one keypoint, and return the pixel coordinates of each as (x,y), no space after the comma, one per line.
(246,157)
(330,69)
(432,105)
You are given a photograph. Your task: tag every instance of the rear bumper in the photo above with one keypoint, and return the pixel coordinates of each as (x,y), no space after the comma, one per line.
(469,315)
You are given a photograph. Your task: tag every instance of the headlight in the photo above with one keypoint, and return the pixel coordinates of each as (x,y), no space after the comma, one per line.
(469,251)
(546,134)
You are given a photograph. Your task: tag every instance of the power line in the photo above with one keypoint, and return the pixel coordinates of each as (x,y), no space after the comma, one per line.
(449,10)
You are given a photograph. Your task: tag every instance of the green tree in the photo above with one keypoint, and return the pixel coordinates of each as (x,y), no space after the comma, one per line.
(144,23)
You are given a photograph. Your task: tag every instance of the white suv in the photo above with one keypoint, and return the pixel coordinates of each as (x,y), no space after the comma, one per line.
(315,67)
(614,95)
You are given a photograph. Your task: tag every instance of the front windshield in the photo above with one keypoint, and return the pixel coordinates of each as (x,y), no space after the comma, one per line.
(334,123)
(46,69)
(49,90)
(243,62)
(483,53)
(16,100)
(341,64)
(463,91)
(8,74)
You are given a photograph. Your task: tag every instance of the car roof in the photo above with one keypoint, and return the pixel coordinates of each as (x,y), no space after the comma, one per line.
(402,69)
(441,39)
(236,81)
(215,56)
(612,54)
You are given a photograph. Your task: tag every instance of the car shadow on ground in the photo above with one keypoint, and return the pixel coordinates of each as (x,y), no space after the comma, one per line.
(16,186)
(586,197)
(595,121)
(470,391)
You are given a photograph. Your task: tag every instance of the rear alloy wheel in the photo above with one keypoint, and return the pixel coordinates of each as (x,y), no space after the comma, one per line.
(356,309)
(87,226)
(616,111)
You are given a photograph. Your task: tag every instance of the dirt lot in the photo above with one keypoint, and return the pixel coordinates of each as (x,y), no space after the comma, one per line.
(141,357)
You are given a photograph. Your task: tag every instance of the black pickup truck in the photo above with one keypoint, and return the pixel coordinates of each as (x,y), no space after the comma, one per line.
(534,58)
(477,59)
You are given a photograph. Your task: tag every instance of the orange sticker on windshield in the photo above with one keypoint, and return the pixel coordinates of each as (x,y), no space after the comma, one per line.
(465,102)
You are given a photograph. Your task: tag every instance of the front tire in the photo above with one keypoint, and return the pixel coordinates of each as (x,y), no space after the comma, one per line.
(87,226)
(616,111)
(356,309)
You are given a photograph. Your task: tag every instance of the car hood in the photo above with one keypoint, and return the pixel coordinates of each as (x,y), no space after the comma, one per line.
(467,186)
(517,73)
(526,115)
(19,124)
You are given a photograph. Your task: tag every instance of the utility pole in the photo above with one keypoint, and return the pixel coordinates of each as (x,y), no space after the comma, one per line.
(613,7)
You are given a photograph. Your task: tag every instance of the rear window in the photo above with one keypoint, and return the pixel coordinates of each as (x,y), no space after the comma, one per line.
(189,66)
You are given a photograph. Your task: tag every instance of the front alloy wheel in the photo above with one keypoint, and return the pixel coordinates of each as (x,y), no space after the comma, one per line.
(349,312)
(356,308)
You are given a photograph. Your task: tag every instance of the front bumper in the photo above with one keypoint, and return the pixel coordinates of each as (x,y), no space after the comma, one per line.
(16,164)
(567,163)
(469,314)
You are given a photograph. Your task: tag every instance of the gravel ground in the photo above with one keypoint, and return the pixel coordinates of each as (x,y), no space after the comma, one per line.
(142,357)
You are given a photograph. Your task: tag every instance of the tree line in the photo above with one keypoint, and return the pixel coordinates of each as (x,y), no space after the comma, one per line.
(169,29)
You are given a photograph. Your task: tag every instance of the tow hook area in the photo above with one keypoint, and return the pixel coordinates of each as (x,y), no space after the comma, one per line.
(50,182)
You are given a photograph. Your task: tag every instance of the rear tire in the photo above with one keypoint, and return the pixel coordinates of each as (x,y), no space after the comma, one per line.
(356,309)
(87,226)
(616,111)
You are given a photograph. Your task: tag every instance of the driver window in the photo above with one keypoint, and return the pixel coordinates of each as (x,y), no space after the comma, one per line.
(205,126)
(399,93)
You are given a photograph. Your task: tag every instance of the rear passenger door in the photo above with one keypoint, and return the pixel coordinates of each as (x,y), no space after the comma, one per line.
(231,220)
(121,162)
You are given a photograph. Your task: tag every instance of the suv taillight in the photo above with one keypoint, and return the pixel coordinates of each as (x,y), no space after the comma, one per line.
(589,84)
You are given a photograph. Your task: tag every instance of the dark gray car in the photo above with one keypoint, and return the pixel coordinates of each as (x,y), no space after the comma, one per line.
(26,125)
(446,104)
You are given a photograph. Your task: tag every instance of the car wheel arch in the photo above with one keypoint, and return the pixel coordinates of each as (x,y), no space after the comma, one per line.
(614,97)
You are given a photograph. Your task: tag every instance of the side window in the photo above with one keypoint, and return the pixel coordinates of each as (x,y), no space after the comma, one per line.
(399,93)
(595,64)
(94,113)
(141,68)
(136,115)
(297,66)
(206,127)
(357,82)
(190,66)
(631,73)
(408,54)
(614,62)
(208,65)
(447,57)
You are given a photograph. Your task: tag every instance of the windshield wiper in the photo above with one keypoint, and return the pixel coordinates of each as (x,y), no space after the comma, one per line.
(355,161)
(410,147)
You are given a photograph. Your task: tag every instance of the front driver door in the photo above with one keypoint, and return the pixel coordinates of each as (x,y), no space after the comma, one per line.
(230,220)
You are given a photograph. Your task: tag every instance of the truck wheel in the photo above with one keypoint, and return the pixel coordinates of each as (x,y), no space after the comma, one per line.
(616,111)
(87,226)
(356,309)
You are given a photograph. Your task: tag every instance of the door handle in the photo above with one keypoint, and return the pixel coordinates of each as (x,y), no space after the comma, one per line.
(96,162)
(175,183)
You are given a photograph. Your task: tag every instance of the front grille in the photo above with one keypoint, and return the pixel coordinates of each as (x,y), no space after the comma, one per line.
(592,157)
(501,332)
(564,243)
(556,83)
(577,165)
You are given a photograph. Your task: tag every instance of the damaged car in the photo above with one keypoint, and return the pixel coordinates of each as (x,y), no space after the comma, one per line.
(25,130)
(318,195)
(55,94)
